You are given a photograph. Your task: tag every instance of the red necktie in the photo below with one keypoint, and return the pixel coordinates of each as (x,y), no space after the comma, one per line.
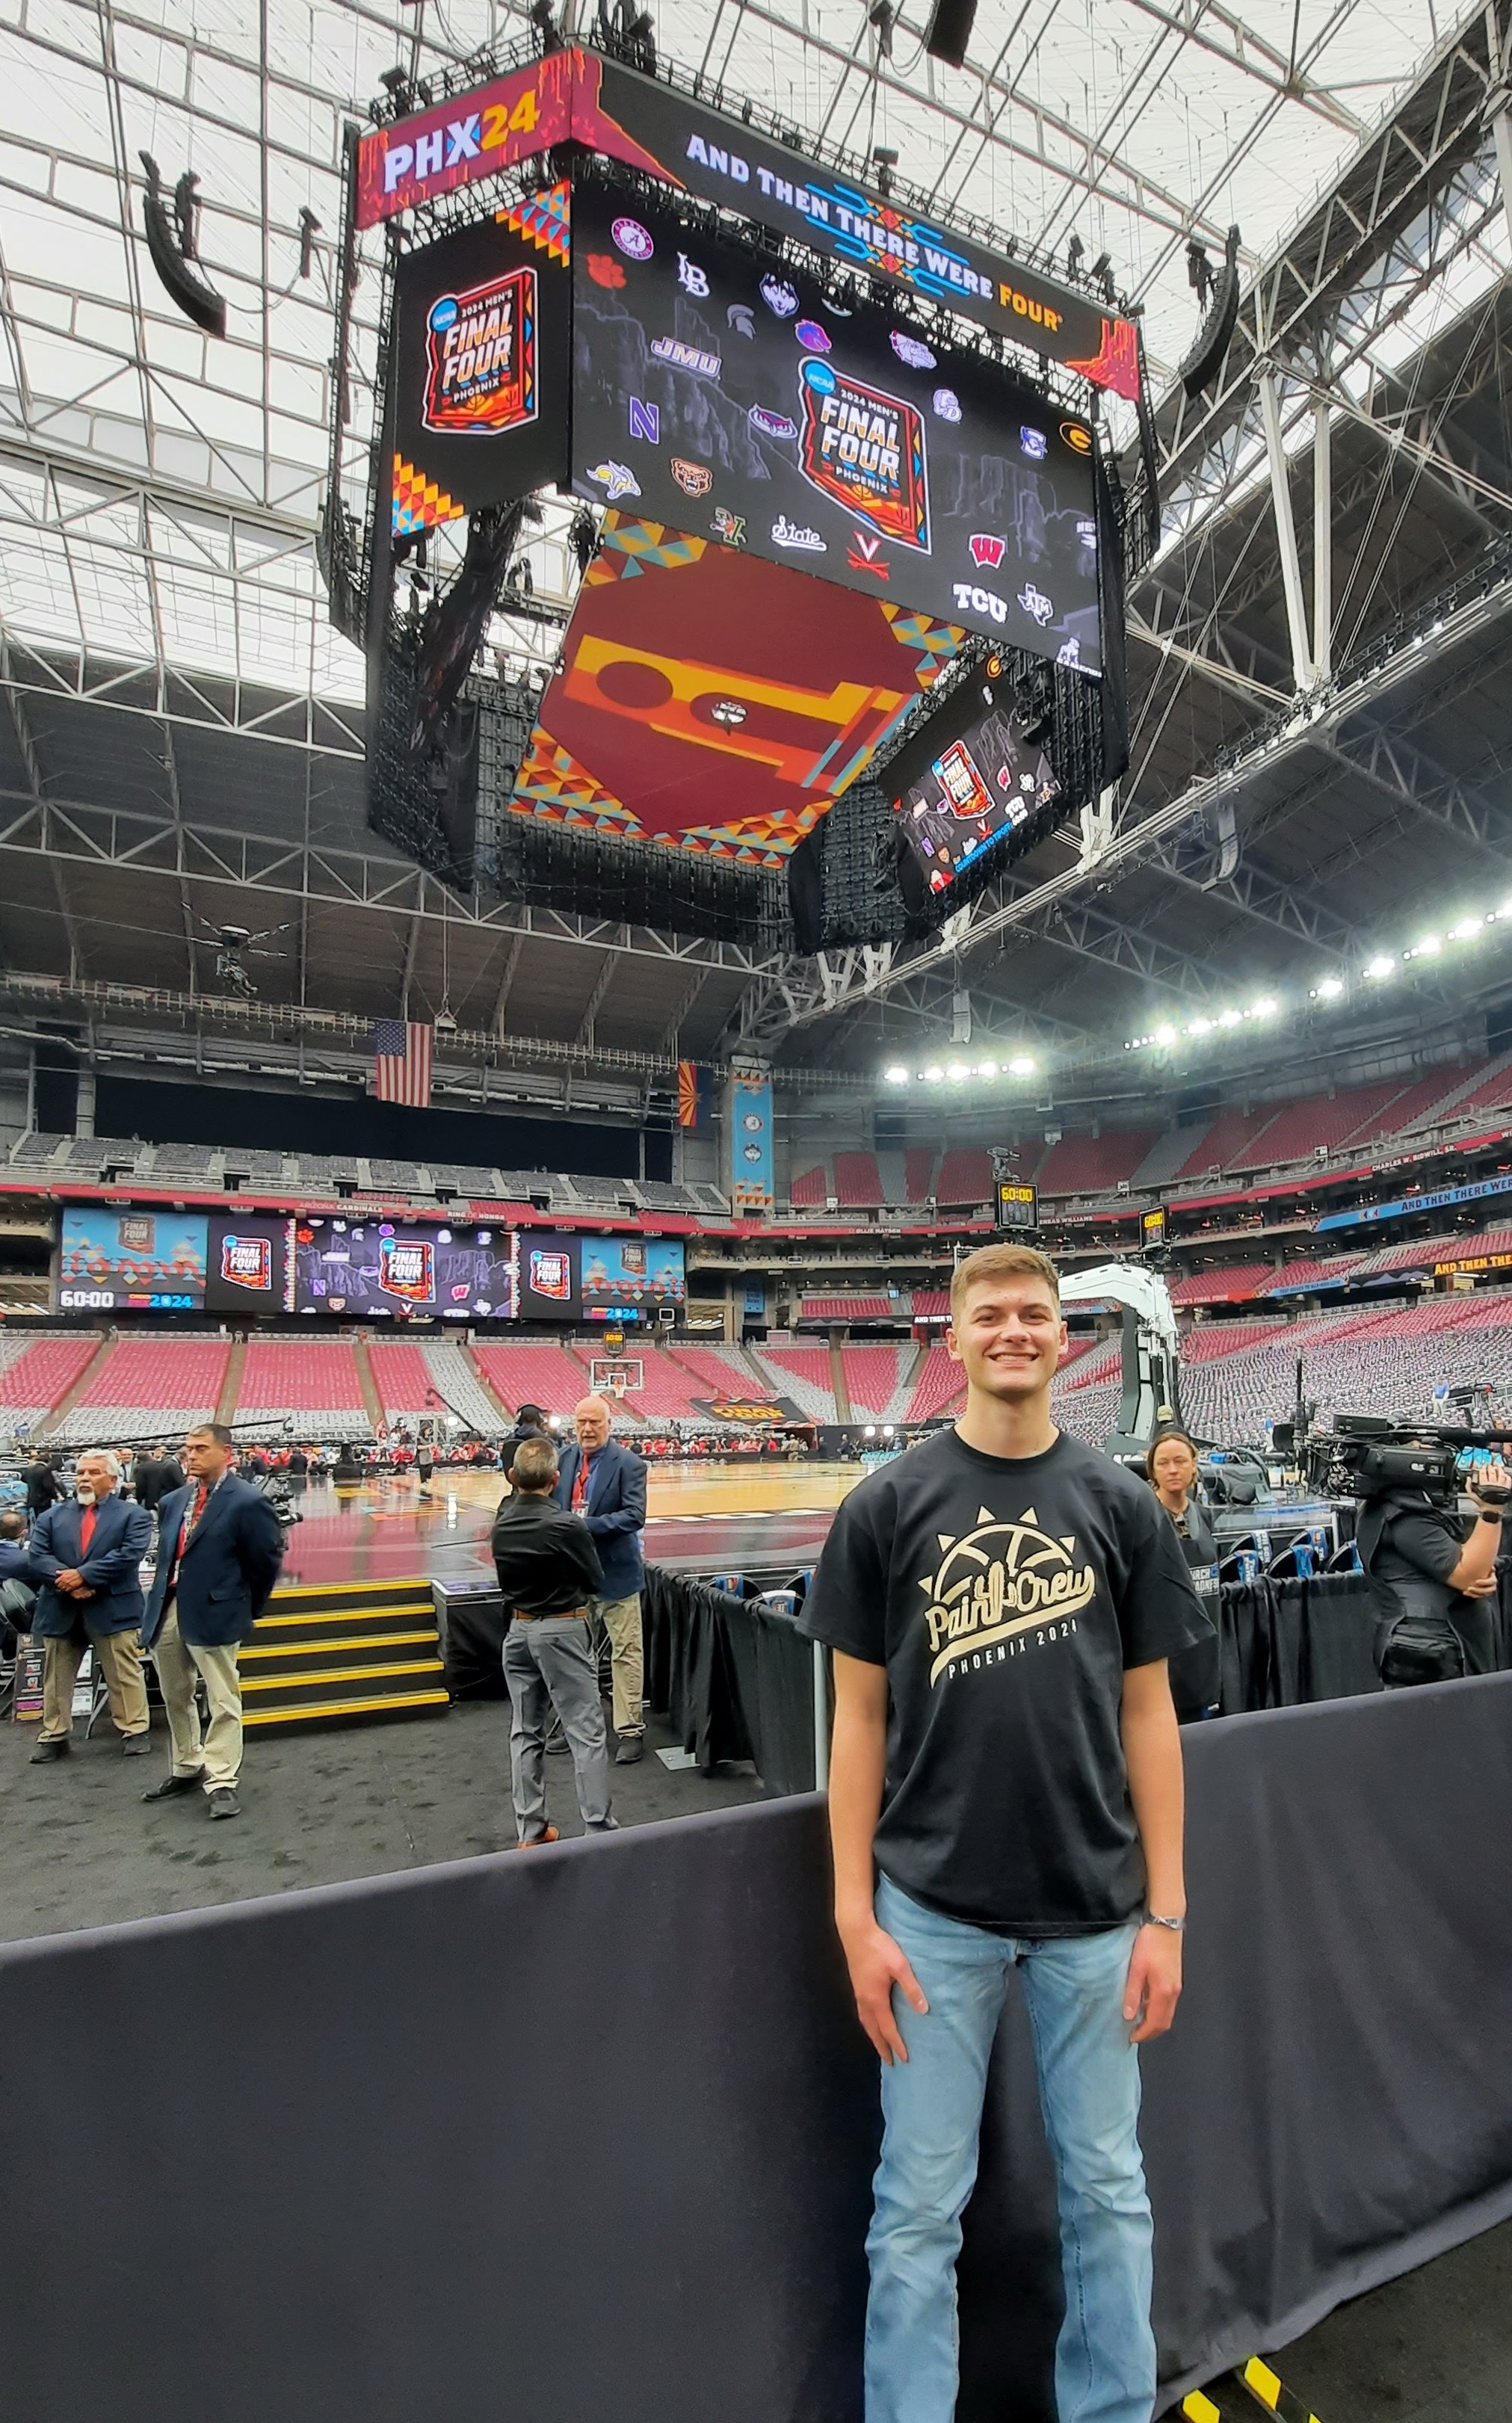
(580,1486)
(86,1530)
(200,1495)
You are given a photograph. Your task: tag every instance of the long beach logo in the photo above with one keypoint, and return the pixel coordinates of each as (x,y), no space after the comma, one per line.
(999,1580)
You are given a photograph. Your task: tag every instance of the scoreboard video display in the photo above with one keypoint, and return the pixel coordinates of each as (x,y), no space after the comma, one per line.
(718,392)
(131,1261)
(392,1268)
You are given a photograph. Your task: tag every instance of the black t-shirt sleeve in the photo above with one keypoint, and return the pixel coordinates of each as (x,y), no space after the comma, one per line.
(847,1602)
(1158,1611)
(1421,1542)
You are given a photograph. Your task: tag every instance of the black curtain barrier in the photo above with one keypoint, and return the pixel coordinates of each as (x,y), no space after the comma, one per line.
(733,1676)
(590,2132)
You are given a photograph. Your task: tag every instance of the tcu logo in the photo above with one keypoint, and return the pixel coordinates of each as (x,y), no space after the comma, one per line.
(981,601)
(986,551)
(690,277)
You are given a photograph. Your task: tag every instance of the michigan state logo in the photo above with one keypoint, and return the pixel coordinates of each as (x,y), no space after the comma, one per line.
(997,1582)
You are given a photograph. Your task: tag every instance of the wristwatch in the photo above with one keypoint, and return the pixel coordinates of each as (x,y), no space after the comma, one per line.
(1174,1925)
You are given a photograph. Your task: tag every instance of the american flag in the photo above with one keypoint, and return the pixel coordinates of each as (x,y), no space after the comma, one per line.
(402,1062)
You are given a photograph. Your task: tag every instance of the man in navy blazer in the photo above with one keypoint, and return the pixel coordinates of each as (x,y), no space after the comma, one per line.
(84,1561)
(219,1548)
(605,1484)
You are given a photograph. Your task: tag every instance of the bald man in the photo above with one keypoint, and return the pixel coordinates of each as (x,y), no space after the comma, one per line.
(605,1484)
(84,1561)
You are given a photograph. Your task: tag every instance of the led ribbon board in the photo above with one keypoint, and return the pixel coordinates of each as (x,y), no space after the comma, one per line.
(576,95)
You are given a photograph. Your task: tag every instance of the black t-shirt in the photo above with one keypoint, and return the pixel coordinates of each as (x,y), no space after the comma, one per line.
(1005,1595)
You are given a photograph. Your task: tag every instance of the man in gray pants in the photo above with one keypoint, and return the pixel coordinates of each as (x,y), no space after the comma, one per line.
(547,1568)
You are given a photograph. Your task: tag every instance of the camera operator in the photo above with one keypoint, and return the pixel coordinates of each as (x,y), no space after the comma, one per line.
(1435,1590)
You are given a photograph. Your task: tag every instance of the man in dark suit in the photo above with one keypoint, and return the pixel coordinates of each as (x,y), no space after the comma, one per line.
(43,1487)
(219,1548)
(548,1571)
(605,1484)
(155,1475)
(85,1558)
(529,1422)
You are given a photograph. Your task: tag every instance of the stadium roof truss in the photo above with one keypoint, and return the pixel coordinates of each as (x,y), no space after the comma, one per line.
(184,730)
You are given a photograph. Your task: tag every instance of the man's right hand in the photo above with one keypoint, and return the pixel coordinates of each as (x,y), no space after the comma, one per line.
(876,1963)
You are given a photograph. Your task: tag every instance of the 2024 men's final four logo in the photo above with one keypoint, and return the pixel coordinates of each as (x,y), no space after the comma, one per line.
(866,449)
(999,1581)
(480,375)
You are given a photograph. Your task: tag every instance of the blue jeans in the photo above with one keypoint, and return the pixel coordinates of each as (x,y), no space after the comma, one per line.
(1089,2076)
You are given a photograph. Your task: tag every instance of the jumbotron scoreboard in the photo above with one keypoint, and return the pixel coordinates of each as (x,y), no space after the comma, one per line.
(1018,1208)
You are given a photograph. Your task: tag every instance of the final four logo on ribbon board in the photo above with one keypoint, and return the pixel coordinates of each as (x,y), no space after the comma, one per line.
(866,449)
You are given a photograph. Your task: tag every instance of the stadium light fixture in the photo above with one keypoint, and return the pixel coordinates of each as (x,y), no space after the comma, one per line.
(1467,928)
(957,1071)
(935,1074)
(1265,1008)
(1381,968)
(1330,990)
(896,1075)
(1021,1067)
(986,1068)
(1228,1018)
(1164,1036)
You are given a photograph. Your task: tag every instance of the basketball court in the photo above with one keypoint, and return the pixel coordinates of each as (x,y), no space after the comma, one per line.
(724,1518)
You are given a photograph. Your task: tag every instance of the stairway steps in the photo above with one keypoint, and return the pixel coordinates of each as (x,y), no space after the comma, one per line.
(336,1712)
(295,1690)
(393,1643)
(343,1653)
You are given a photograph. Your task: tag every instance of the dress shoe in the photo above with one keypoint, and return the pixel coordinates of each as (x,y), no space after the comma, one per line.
(224,1803)
(557,1744)
(550,1835)
(46,1751)
(632,1747)
(174,1784)
(136,1746)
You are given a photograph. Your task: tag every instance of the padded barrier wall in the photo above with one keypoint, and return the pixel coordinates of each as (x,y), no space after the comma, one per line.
(589,2132)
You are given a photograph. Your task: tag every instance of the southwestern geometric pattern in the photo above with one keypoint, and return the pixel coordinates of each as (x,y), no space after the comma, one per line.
(722,703)
(418,503)
(545,219)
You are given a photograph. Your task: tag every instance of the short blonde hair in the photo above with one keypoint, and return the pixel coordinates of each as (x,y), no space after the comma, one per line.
(1002,1262)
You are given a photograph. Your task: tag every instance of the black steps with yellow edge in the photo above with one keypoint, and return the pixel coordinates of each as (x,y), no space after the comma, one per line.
(1244,2396)
(343,1653)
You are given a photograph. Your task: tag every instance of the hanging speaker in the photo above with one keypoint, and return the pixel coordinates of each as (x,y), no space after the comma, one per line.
(948,30)
(171,248)
(1203,363)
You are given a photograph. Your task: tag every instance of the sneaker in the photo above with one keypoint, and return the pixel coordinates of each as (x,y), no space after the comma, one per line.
(534,1842)
(557,1744)
(223,1803)
(632,1747)
(46,1751)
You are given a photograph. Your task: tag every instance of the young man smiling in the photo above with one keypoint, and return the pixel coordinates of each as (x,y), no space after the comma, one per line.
(1006,1792)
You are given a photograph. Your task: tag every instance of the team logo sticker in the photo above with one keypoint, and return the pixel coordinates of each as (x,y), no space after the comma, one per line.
(1076,437)
(946,404)
(616,479)
(406,1269)
(778,297)
(911,351)
(809,333)
(987,551)
(1035,603)
(771,424)
(866,449)
(686,357)
(693,479)
(728,526)
(633,239)
(800,535)
(480,358)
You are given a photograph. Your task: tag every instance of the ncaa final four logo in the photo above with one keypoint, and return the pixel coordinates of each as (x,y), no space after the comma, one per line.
(481,357)
(866,449)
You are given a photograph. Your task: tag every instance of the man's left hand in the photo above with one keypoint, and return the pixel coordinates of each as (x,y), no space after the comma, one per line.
(1153,1988)
(71,1580)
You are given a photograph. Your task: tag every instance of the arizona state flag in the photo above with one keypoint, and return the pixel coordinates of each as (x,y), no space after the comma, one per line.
(690,1096)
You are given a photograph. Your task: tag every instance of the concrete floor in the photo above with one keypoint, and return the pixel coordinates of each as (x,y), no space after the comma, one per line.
(80,1849)
(1434,2347)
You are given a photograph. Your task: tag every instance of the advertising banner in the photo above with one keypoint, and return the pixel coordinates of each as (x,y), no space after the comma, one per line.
(750,1180)
(735,404)
(384,1267)
(250,1265)
(627,1278)
(481,372)
(136,1261)
(611,109)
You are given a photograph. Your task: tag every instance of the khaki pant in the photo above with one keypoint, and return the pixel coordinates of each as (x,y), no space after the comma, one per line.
(621,1620)
(118,1657)
(218,1758)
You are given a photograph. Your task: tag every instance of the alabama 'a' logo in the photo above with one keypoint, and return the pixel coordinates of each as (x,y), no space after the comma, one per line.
(998,1581)
(866,449)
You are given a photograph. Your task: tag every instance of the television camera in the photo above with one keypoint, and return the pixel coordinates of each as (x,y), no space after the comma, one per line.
(1366,1457)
